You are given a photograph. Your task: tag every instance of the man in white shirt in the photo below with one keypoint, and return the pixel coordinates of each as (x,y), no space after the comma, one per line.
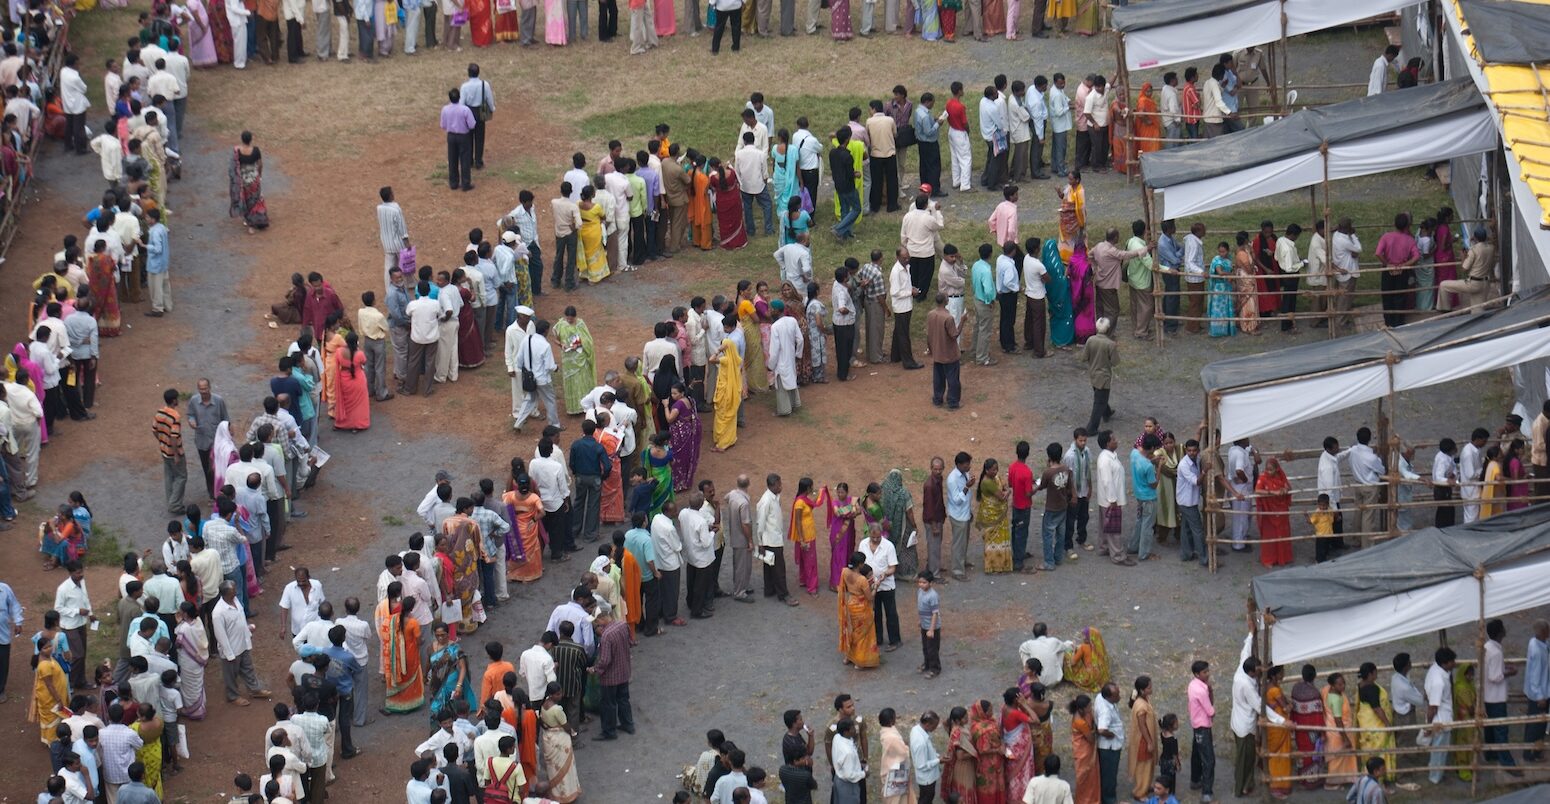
(425,316)
(1049,651)
(72,96)
(1471,466)
(1346,256)
(358,636)
(1096,112)
(1035,314)
(451,302)
(552,482)
(535,667)
(668,546)
(1408,702)
(1240,479)
(1172,110)
(884,561)
(1290,264)
(1368,472)
(849,773)
(1330,483)
(1059,105)
(1439,709)
(1110,727)
(924,759)
(1318,271)
(1382,67)
(795,261)
(536,357)
(300,601)
(786,339)
(234,643)
(699,552)
(1246,708)
(315,633)
(901,301)
(1493,693)
(1186,494)
(753,183)
(769,530)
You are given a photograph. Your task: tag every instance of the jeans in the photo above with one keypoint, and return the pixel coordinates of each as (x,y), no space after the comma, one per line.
(850,210)
(1057,152)
(1108,774)
(1440,739)
(1534,732)
(885,611)
(1020,518)
(1497,734)
(7,508)
(607,20)
(487,581)
(1170,302)
(367,37)
(763,198)
(1144,536)
(564,262)
(576,19)
(1191,534)
(733,18)
(944,383)
(1202,762)
(174,480)
(584,516)
(844,349)
(1076,522)
(930,154)
(616,709)
(1050,528)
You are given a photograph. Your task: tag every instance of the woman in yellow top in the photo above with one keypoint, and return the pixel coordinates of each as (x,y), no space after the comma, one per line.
(993,519)
(1073,207)
(593,263)
(1373,715)
(754,372)
(858,630)
(49,691)
(729,395)
(804,531)
(1494,492)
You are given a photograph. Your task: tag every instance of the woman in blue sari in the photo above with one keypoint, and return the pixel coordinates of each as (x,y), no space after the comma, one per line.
(659,467)
(930,26)
(787,184)
(448,678)
(1058,289)
(1219,305)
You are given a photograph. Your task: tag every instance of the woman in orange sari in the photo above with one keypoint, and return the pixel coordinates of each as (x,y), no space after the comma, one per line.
(1278,739)
(629,576)
(102,275)
(858,633)
(506,28)
(1145,122)
(353,408)
(700,216)
(990,771)
(336,327)
(1273,496)
(524,550)
(400,639)
(804,532)
(1121,149)
(611,500)
(1339,725)
(958,769)
(1084,751)
(481,22)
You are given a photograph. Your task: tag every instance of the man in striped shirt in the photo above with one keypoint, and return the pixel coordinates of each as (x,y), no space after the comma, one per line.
(168,427)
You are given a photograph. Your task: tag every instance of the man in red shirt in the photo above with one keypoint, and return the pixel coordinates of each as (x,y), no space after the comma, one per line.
(1020,477)
(958,139)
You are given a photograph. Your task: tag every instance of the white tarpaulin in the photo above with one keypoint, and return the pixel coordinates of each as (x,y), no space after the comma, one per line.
(1402,147)
(1454,602)
(1156,35)
(1256,410)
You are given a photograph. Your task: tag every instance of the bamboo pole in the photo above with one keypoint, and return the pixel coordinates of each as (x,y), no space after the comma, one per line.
(1130,129)
(1208,479)
(1331,292)
(1392,475)
(1474,756)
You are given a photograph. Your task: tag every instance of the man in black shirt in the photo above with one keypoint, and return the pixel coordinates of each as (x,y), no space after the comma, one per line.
(842,169)
(461,788)
(796,776)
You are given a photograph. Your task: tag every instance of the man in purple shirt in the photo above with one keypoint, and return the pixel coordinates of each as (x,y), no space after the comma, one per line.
(613,673)
(653,181)
(1397,251)
(458,120)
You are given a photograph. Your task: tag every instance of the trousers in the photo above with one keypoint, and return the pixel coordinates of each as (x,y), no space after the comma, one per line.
(1051,528)
(174,480)
(902,350)
(960,546)
(419,369)
(1144,534)
(376,367)
(1202,762)
(775,574)
(239,668)
(460,161)
(984,320)
(585,499)
(885,611)
(962,158)
(615,709)
(945,386)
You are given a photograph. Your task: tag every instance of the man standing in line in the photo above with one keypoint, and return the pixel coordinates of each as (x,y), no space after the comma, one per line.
(1035,306)
(958,513)
(206,411)
(982,280)
(1078,458)
(1109,484)
(1059,124)
(1143,482)
(1008,283)
(424,315)
(591,465)
(1439,710)
(958,140)
(933,516)
(675,187)
(525,218)
(480,100)
(1290,264)
(872,289)
(398,329)
(785,346)
(72,96)
(884,160)
(168,428)
(884,561)
(918,233)
(392,232)
(1186,493)
(1368,472)
(1019,477)
(1246,707)
(373,329)
(1058,484)
(1493,693)
(699,551)
(234,643)
(993,132)
(942,343)
(1346,254)
(458,121)
(1536,687)
(928,130)
(1202,710)
(613,673)
(73,603)
(534,357)
(901,300)
(770,530)
(1107,261)
(1138,274)
(752,167)
(1172,110)
(669,548)
(924,758)
(1101,356)
(1110,726)
(739,536)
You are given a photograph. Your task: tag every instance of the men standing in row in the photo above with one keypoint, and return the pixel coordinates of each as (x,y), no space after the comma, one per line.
(770,527)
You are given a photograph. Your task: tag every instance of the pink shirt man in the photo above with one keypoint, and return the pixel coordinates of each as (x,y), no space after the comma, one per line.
(1003,223)
(1201,710)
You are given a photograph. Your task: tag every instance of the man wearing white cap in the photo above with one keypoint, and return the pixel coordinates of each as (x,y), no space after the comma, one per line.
(506,285)
(534,355)
(516,334)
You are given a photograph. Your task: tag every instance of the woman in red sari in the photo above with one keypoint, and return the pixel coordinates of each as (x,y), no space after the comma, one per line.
(665,18)
(1273,495)
(990,769)
(505,12)
(352,411)
(103,275)
(481,22)
(470,343)
(958,769)
(220,30)
(729,206)
(1267,282)
(611,499)
(1084,752)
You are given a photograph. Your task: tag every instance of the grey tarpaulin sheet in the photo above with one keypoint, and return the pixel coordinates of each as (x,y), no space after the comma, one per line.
(1538,794)
(1509,33)
(1529,312)
(1306,130)
(1142,16)
(1422,559)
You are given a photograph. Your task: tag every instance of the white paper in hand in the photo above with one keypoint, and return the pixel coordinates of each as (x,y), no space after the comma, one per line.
(914,537)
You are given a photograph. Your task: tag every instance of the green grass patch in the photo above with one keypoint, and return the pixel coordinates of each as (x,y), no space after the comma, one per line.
(393,521)
(710,126)
(105,549)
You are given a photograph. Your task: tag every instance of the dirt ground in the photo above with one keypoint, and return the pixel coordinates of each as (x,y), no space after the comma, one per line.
(332,134)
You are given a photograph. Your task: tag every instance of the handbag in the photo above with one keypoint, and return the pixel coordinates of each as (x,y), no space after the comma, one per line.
(529,382)
(484,111)
(807,200)
(495,790)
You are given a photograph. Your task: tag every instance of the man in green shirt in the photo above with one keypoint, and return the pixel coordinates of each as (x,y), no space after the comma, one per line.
(982,282)
(1138,273)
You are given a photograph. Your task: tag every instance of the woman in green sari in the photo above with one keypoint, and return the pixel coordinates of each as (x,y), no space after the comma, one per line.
(659,467)
(1062,327)
(899,509)
(1464,711)
(994,519)
(787,184)
(578,359)
(1167,477)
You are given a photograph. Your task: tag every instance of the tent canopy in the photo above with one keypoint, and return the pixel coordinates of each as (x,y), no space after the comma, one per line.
(1262,392)
(1399,589)
(1509,33)
(1378,133)
(1167,32)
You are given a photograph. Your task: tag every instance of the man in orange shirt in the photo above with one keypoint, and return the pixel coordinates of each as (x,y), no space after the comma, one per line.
(494,674)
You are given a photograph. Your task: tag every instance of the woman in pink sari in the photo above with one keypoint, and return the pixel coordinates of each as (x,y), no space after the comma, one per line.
(1084,311)
(1445,255)
(843,511)
(1017,738)
(666,19)
(223,453)
(201,39)
(554,22)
